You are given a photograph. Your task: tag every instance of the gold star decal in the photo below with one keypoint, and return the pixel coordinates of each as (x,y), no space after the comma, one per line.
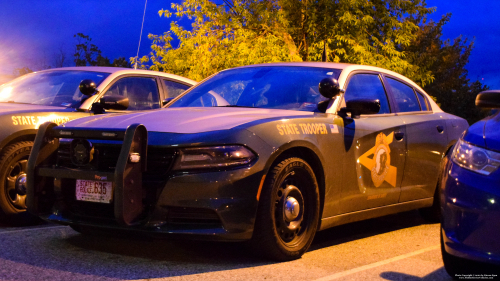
(380,164)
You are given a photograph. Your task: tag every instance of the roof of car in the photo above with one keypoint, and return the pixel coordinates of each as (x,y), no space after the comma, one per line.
(346,68)
(121,70)
(333,65)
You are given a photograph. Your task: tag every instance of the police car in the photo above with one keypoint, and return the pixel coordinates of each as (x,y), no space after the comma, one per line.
(267,154)
(60,95)
(471,197)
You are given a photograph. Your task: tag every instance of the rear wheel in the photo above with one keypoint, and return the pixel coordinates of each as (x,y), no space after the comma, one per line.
(13,163)
(288,214)
(433,213)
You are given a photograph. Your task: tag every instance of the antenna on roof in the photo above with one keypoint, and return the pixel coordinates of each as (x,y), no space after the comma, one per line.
(140,36)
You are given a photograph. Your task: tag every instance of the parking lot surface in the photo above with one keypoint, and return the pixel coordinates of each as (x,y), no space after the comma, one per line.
(396,247)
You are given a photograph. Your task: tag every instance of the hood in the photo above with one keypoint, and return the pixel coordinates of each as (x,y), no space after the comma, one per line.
(492,132)
(185,120)
(485,133)
(475,134)
(9,108)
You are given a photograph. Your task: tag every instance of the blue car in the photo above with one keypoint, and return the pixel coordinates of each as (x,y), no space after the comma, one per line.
(470,197)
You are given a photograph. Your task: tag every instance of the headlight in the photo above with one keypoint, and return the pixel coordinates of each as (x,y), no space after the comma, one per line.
(213,157)
(474,158)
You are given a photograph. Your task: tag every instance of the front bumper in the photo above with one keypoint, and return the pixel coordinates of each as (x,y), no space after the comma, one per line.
(213,205)
(470,205)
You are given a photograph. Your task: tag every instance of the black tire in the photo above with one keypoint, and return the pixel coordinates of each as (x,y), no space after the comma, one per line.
(13,163)
(457,267)
(87,230)
(93,231)
(283,233)
(433,213)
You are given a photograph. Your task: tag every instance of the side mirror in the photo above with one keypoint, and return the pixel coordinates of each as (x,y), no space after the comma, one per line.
(329,87)
(166,101)
(360,106)
(87,87)
(114,102)
(488,99)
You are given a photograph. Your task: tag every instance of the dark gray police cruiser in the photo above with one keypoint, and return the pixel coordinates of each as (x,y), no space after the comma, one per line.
(258,153)
(60,95)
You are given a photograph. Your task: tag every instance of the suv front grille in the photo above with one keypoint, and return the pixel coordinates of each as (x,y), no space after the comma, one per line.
(106,156)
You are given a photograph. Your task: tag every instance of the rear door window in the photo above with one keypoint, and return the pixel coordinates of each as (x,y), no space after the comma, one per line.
(405,97)
(424,104)
(173,89)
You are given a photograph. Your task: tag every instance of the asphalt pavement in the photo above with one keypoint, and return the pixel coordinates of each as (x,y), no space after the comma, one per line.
(396,247)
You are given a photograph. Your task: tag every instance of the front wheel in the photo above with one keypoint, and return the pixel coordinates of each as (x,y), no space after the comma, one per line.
(288,214)
(13,163)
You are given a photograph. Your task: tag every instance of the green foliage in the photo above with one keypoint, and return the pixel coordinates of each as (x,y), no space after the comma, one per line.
(87,53)
(222,36)
(447,61)
(392,34)
(358,31)
(242,32)
(121,62)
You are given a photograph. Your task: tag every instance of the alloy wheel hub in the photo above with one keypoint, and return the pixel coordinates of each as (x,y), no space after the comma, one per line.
(292,208)
(21,184)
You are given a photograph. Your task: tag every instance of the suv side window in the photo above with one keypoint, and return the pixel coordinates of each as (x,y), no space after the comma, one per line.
(173,89)
(424,104)
(404,96)
(367,86)
(142,92)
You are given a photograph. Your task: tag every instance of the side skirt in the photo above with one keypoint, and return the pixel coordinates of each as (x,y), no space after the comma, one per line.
(375,212)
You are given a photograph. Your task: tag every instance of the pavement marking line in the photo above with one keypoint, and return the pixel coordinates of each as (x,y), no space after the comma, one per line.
(372,265)
(23,230)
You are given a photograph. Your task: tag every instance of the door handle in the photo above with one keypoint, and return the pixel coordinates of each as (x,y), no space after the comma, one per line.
(440,129)
(399,135)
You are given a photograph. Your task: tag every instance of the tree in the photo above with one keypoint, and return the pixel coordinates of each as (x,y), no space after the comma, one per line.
(220,39)
(22,71)
(121,62)
(60,57)
(447,61)
(87,53)
(239,32)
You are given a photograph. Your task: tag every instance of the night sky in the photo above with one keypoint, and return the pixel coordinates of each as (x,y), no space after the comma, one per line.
(31,32)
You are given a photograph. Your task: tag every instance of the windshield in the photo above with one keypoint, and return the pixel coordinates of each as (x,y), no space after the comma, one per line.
(279,87)
(57,88)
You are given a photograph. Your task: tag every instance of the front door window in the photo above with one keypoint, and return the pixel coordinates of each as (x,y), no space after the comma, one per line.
(141,92)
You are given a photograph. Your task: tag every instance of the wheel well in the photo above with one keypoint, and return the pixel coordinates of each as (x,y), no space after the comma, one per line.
(449,150)
(312,159)
(18,139)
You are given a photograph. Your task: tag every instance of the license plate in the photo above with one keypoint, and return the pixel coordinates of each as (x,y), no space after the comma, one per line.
(94,191)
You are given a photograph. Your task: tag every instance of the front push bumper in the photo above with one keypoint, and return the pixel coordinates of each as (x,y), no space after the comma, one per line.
(219,205)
